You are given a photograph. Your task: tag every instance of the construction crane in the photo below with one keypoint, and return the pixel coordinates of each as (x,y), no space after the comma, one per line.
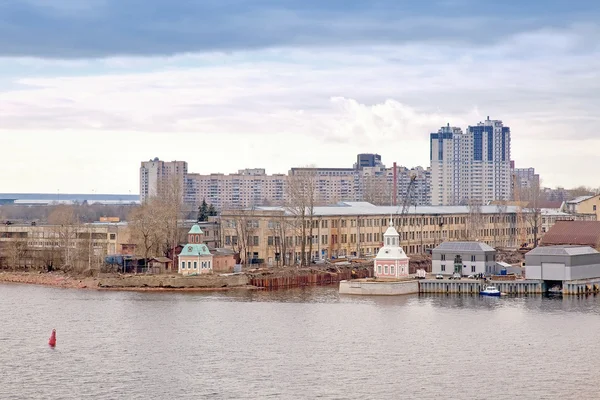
(406,203)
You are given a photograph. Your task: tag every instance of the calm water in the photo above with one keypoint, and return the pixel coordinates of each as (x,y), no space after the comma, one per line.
(295,344)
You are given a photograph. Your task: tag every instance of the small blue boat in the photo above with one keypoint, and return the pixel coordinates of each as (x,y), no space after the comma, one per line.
(490,291)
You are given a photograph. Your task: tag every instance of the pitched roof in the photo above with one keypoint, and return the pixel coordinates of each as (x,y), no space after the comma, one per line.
(464,246)
(162,259)
(579,199)
(196,230)
(581,233)
(561,251)
(194,249)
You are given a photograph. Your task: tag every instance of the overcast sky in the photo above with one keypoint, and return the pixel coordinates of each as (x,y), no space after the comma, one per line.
(88,89)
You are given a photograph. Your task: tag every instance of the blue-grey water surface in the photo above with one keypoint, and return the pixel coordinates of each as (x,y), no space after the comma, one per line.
(295,344)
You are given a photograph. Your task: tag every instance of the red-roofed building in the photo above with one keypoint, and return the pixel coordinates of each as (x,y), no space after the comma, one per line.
(579,233)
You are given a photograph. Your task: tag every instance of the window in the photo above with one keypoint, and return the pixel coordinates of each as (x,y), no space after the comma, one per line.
(443,257)
(473,258)
(379,269)
(183,265)
(472,268)
(443,268)
(195,265)
(385,269)
(189,265)
(270,241)
(392,270)
(113,236)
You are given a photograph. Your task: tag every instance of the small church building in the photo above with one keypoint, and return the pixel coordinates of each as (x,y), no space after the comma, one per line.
(195,258)
(391,260)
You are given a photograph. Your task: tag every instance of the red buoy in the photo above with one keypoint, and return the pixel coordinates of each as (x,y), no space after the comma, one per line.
(52,340)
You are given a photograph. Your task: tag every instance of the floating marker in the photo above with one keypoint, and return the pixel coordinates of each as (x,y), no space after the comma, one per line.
(52,340)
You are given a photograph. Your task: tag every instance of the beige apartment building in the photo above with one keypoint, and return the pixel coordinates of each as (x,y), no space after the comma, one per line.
(43,244)
(157,176)
(368,180)
(246,188)
(355,229)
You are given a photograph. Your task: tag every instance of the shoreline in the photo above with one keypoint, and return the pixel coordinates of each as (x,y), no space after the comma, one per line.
(65,281)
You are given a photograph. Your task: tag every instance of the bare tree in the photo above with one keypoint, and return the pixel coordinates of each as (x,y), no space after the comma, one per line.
(376,189)
(499,221)
(17,253)
(301,204)
(244,226)
(145,226)
(474,219)
(65,222)
(279,229)
(533,195)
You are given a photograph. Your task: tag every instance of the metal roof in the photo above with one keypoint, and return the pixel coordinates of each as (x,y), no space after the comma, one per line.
(561,251)
(579,233)
(366,209)
(579,199)
(464,246)
(196,230)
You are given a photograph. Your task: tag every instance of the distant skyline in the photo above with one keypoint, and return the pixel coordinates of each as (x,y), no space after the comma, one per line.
(90,89)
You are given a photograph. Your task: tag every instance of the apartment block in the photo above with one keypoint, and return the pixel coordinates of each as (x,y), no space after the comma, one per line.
(157,176)
(247,188)
(471,167)
(368,180)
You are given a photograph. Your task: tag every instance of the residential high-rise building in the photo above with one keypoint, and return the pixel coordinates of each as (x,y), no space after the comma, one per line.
(525,178)
(247,188)
(369,180)
(471,167)
(156,176)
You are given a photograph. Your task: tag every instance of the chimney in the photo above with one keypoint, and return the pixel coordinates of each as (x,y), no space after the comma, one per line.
(395,194)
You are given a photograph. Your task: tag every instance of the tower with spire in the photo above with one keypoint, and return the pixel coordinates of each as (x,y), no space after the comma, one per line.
(391,260)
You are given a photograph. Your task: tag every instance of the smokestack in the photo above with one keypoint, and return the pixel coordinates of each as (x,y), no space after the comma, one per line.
(395,185)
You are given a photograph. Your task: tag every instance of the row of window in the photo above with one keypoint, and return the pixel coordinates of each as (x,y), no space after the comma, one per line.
(392,270)
(443,268)
(203,265)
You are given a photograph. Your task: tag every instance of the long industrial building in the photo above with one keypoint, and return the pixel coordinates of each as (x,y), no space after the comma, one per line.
(354,229)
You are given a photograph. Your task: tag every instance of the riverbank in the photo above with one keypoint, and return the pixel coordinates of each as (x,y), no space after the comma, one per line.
(265,278)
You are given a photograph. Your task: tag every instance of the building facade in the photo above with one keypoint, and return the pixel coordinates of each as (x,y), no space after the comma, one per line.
(355,229)
(79,246)
(465,258)
(391,261)
(562,263)
(369,180)
(195,258)
(157,177)
(471,167)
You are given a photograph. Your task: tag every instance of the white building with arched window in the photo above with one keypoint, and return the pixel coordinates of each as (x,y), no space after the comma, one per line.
(391,260)
(195,258)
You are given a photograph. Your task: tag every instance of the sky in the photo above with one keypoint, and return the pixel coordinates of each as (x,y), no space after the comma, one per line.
(89,89)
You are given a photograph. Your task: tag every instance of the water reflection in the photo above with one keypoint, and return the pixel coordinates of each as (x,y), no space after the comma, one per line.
(299,343)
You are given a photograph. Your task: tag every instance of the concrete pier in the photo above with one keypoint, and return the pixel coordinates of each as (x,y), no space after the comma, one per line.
(369,287)
(472,286)
(588,286)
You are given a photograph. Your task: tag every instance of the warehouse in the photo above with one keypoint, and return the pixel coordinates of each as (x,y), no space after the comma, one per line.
(562,263)
(471,258)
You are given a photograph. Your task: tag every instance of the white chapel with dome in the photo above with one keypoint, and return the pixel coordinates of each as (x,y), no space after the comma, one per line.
(391,260)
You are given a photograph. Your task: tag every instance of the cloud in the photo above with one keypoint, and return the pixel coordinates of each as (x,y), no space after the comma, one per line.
(291,106)
(105,28)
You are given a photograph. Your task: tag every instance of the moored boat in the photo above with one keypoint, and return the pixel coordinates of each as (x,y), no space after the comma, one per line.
(490,291)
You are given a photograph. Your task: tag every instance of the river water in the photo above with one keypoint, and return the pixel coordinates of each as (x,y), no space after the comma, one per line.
(294,344)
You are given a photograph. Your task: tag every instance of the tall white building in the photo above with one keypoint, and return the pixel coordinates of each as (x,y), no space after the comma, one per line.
(471,167)
(155,175)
